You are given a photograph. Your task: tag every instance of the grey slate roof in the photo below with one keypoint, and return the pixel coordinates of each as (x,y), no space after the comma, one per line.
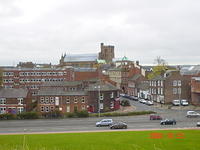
(13,93)
(62,83)
(192,70)
(103,87)
(135,77)
(80,57)
(58,92)
(159,77)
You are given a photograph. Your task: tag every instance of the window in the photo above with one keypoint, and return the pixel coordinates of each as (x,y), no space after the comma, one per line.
(47,108)
(20,109)
(52,108)
(83,107)
(42,108)
(67,100)
(112,95)
(47,100)
(41,100)
(101,96)
(51,100)
(161,91)
(154,83)
(68,108)
(179,90)
(2,110)
(83,100)
(20,101)
(75,100)
(179,82)
(174,83)
(161,83)
(2,101)
(174,90)
(158,91)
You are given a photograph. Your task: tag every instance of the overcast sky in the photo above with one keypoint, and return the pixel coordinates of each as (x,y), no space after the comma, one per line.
(41,30)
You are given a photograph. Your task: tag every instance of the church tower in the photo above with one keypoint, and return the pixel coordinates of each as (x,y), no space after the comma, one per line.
(107,53)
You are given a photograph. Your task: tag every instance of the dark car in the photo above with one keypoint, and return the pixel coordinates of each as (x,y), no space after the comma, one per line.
(155,117)
(168,122)
(118,125)
(134,98)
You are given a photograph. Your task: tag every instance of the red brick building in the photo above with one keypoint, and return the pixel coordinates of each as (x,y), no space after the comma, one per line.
(195,90)
(32,78)
(134,84)
(13,100)
(103,96)
(170,87)
(66,101)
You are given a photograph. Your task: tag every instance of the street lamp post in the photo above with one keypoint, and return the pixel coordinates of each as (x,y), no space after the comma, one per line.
(99,111)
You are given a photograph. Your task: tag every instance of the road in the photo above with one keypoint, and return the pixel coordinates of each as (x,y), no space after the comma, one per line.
(88,124)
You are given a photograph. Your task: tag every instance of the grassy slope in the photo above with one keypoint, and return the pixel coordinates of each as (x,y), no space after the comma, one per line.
(130,140)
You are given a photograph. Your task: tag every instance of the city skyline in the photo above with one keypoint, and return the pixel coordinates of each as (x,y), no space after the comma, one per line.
(40,31)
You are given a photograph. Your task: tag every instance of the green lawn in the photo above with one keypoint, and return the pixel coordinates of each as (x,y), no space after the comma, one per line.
(129,140)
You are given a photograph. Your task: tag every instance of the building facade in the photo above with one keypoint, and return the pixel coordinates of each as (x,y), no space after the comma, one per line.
(103,97)
(53,99)
(195,91)
(14,100)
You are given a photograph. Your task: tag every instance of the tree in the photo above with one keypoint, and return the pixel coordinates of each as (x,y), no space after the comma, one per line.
(159,69)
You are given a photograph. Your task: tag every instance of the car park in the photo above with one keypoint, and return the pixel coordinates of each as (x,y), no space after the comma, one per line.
(184,102)
(104,122)
(198,124)
(155,117)
(168,122)
(118,125)
(192,114)
(149,103)
(176,102)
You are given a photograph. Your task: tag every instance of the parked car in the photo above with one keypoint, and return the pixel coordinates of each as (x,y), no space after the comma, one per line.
(155,117)
(142,101)
(134,98)
(149,102)
(184,102)
(193,114)
(176,102)
(122,94)
(198,124)
(118,125)
(168,122)
(104,122)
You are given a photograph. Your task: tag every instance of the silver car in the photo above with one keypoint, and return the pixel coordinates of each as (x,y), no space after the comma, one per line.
(193,114)
(104,122)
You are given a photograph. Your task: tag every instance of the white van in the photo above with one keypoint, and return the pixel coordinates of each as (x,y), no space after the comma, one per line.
(176,102)
(184,102)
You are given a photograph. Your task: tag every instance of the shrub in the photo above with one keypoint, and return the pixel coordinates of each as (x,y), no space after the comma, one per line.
(53,114)
(70,115)
(28,115)
(7,116)
(125,103)
(82,114)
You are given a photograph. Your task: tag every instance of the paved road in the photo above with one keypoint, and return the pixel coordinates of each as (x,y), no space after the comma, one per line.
(88,124)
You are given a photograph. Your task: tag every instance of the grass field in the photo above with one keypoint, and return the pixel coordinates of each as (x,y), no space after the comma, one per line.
(130,140)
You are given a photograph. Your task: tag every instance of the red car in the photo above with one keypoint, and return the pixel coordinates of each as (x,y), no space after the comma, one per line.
(155,117)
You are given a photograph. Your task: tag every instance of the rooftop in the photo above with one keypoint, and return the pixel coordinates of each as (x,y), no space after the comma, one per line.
(13,93)
(80,57)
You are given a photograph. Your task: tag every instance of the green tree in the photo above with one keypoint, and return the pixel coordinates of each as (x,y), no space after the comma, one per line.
(159,69)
